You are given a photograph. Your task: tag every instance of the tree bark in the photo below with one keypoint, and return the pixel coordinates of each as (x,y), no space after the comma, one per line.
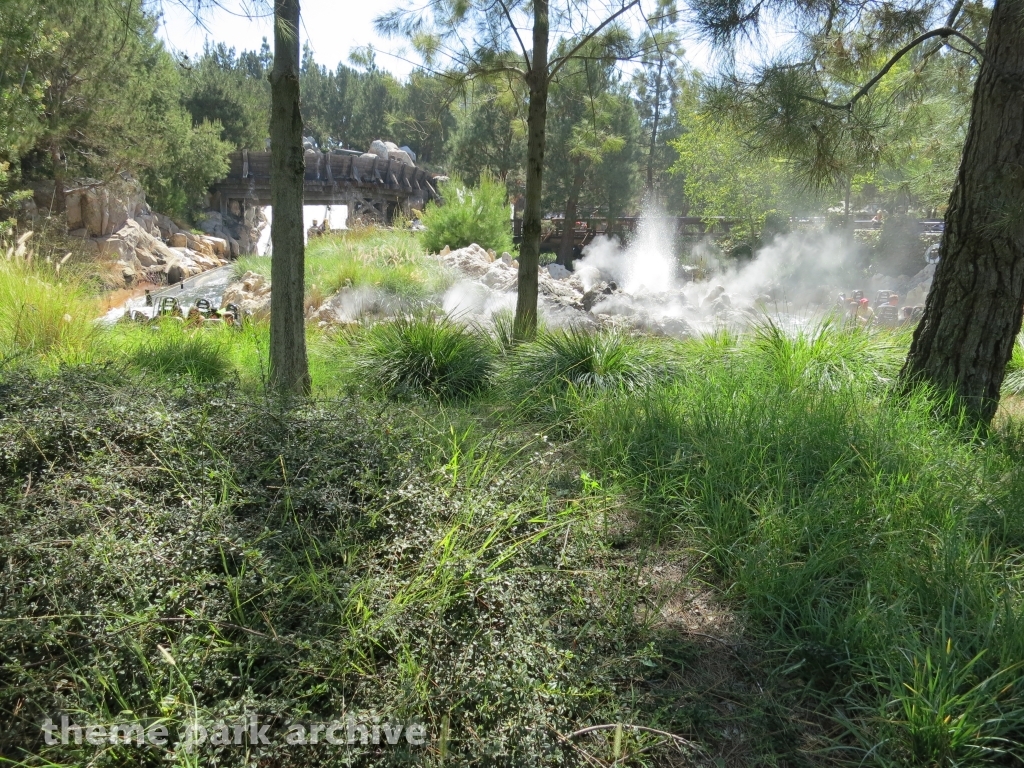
(568,243)
(654,128)
(525,324)
(973,311)
(289,370)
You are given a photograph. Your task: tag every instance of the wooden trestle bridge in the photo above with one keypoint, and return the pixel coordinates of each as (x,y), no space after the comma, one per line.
(373,189)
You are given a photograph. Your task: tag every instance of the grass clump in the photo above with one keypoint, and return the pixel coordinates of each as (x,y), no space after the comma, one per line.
(173,350)
(42,311)
(429,354)
(579,359)
(469,215)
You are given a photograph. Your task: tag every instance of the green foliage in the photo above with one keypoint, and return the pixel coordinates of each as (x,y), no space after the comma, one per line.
(469,215)
(425,355)
(579,359)
(723,178)
(112,98)
(391,261)
(870,545)
(42,313)
(196,157)
(231,91)
(172,349)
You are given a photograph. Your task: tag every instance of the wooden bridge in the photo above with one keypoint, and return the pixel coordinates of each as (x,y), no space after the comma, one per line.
(373,189)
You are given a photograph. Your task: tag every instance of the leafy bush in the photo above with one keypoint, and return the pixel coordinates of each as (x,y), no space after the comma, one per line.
(478,215)
(431,354)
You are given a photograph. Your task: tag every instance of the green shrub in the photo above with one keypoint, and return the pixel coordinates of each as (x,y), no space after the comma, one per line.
(478,215)
(433,355)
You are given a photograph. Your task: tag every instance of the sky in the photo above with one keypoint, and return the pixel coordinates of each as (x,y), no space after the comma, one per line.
(331,27)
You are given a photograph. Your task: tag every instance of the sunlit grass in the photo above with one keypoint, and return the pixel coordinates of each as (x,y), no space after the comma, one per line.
(392,261)
(43,313)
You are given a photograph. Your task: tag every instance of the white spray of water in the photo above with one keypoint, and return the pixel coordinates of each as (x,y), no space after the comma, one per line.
(799,272)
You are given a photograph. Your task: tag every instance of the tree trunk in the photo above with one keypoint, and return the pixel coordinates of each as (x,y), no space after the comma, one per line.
(289,371)
(973,312)
(58,204)
(654,129)
(525,324)
(565,248)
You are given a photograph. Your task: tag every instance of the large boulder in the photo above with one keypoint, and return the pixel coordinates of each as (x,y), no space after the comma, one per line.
(379,148)
(401,156)
(251,294)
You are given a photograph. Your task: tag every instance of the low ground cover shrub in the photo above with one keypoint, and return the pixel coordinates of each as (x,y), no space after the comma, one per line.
(194,556)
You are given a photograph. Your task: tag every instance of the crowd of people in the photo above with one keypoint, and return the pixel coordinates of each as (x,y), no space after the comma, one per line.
(857,308)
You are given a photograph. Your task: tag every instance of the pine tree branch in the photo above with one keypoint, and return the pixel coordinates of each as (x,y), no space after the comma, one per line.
(560,61)
(943,32)
(515,30)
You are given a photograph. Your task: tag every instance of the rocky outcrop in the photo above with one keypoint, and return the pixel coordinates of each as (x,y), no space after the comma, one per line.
(251,295)
(131,241)
(388,150)
(239,229)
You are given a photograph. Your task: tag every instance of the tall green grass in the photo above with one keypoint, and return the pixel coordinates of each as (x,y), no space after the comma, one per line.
(42,312)
(875,548)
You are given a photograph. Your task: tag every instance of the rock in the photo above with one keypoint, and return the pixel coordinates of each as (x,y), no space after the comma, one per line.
(491,255)
(73,212)
(379,148)
(219,246)
(401,156)
(175,274)
(178,240)
(132,241)
(507,258)
(713,294)
(81,232)
(93,202)
(472,260)
(558,272)
(251,294)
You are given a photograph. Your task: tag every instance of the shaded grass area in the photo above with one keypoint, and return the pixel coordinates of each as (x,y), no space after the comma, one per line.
(190,557)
